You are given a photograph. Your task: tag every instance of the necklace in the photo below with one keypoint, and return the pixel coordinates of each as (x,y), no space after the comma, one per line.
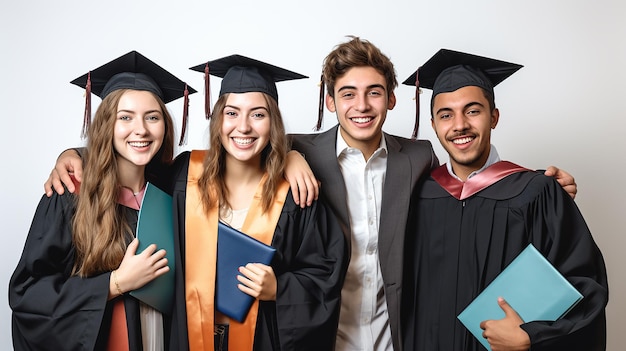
(226,214)
(130,198)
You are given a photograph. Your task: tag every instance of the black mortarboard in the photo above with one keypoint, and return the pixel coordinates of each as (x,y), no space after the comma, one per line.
(241,74)
(450,70)
(133,71)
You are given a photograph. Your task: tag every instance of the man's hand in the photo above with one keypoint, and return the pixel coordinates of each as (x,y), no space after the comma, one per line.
(505,334)
(68,164)
(304,185)
(565,179)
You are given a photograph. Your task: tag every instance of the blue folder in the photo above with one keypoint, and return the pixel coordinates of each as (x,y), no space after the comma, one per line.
(236,249)
(531,286)
(155,225)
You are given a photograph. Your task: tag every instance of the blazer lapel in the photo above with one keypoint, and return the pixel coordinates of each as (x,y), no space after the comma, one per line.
(324,162)
(394,208)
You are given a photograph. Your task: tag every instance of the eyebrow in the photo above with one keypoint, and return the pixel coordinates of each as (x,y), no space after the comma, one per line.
(352,87)
(147,112)
(468,105)
(251,109)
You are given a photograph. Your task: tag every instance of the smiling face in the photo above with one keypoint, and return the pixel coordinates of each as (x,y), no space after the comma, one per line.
(139,128)
(361,101)
(463,121)
(245,128)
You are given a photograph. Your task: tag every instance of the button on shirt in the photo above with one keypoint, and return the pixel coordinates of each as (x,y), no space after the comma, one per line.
(363,320)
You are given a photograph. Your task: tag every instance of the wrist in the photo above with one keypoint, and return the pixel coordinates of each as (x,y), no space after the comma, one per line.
(116,284)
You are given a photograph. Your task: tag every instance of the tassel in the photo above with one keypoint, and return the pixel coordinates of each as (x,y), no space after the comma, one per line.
(320,112)
(183,134)
(87,113)
(207,92)
(417,106)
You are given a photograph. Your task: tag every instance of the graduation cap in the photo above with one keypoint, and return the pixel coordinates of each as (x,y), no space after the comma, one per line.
(242,74)
(450,70)
(133,71)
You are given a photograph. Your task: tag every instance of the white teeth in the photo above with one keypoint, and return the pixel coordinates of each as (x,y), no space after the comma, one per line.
(139,143)
(243,141)
(362,119)
(462,140)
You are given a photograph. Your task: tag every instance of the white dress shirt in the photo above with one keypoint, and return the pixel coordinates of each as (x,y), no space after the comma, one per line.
(363,319)
(491,159)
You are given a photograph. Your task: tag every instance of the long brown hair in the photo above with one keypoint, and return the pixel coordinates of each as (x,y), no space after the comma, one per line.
(100,228)
(212,182)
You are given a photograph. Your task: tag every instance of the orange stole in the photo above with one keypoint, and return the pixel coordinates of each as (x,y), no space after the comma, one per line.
(201,260)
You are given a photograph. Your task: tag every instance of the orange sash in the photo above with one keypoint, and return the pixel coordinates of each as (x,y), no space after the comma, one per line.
(201,259)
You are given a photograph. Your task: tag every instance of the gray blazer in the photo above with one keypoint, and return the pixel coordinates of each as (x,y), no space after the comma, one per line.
(407,162)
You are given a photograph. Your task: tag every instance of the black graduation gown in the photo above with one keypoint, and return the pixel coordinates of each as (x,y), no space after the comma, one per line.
(459,247)
(53,310)
(310,264)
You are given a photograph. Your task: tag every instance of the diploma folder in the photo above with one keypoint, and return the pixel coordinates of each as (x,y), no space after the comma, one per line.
(531,286)
(155,225)
(236,249)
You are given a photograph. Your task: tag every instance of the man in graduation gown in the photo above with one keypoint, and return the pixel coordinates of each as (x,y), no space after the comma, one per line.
(474,215)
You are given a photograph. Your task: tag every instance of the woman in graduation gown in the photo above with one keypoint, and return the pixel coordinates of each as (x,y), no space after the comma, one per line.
(239,181)
(69,290)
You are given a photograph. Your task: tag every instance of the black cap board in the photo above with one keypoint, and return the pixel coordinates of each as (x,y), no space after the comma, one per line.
(137,72)
(242,74)
(133,71)
(449,70)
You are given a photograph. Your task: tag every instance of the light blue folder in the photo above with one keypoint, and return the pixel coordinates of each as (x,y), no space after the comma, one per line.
(155,225)
(531,286)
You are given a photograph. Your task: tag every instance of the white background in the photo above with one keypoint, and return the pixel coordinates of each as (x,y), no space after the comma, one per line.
(565,107)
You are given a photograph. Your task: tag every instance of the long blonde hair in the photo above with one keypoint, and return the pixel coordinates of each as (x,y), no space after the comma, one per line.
(100,228)
(212,183)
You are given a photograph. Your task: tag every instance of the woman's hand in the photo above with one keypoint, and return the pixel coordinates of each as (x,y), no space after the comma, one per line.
(137,270)
(258,280)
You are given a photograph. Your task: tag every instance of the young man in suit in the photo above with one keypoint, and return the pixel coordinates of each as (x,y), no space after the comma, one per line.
(367,177)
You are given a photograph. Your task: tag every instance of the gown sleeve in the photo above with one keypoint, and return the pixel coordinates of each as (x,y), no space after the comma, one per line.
(568,244)
(53,310)
(310,268)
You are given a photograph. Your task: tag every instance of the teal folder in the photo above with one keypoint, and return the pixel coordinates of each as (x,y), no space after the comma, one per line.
(531,286)
(155,225)
(236,249)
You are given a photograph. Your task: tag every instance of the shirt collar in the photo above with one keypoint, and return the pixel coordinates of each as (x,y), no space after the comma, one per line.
(342,145)
(493,158)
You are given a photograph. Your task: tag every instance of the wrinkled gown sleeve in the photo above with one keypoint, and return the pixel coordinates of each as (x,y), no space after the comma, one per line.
(53,310)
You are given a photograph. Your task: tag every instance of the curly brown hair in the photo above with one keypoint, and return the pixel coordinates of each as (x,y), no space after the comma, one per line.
(357,53)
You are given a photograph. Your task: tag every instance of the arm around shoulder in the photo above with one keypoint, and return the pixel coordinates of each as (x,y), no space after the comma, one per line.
(69,165)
